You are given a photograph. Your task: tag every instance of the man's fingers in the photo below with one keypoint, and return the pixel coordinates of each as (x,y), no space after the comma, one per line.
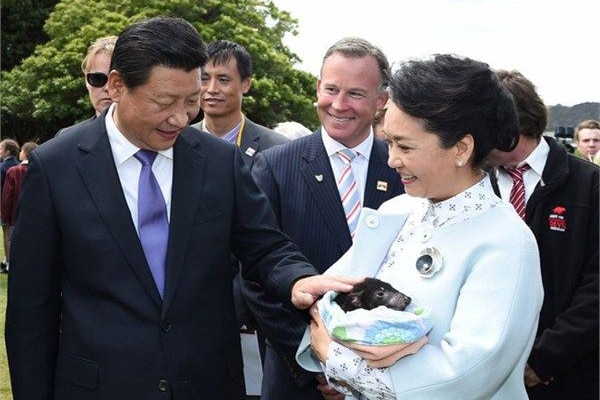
(302,300)
(307,290)
(344,284)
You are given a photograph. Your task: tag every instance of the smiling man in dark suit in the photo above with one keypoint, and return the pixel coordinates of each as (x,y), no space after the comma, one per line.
(120,287)
(226,78)
(301,178)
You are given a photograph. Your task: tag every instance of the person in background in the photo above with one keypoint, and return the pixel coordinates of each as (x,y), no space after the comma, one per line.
(118,288)
(378,123)
(226,78)
(301,179)
(11,190)
(292,129)
(9,151)
(587,139)
(95,67)
(434,244)
(561,208)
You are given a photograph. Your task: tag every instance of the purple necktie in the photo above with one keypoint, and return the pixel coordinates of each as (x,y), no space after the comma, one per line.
(153,224)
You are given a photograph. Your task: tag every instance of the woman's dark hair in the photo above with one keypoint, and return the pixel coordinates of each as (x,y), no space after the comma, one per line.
(453,96)
(160,41)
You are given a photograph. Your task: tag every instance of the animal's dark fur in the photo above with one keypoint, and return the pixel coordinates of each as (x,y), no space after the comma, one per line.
(372,293)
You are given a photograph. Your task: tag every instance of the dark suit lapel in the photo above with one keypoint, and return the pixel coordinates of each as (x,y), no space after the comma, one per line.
(379,177)
(250,144)
(189,168)
(98,172)
(318,175)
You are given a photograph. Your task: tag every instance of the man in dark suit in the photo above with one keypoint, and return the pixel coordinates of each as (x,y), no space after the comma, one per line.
(226,78)
(561,208)
(299,178)
(119,287)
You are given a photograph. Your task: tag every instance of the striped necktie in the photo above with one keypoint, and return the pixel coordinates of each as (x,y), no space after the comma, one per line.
(348,189)
(517,193)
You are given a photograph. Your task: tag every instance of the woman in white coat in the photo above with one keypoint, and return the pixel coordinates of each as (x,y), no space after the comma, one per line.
(449,243)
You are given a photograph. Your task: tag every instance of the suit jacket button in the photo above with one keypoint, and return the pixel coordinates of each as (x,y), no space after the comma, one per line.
(163,385)
(166,327)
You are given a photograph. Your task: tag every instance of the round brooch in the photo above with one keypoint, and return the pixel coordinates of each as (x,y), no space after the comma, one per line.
(429,261)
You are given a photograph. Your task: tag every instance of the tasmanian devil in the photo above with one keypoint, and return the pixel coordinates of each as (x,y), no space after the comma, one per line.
(372,293)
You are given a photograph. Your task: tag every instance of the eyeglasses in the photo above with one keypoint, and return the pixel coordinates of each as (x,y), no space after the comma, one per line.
(96,79)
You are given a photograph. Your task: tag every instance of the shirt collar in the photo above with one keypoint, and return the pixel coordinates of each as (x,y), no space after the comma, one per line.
(333,146)
(122,148)
(537,158)
(230,136)
(473,201)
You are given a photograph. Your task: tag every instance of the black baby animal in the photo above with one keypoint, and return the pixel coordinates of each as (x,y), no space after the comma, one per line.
(372,293)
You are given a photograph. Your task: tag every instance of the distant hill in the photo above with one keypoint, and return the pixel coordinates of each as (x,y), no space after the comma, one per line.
(570,116)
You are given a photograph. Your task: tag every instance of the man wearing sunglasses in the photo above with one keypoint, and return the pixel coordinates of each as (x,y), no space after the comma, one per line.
(95,67)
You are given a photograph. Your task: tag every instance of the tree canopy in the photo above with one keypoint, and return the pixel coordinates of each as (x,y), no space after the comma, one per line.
(46,91)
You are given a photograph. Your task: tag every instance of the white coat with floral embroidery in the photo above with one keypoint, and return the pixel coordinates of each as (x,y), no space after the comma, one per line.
(485,299)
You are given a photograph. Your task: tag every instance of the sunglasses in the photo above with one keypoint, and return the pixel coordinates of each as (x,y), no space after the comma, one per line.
(96,79)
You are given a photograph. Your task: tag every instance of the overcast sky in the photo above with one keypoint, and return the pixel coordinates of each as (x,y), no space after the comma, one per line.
(554,43)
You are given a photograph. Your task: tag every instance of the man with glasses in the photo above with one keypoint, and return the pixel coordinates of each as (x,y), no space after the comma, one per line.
(95,67)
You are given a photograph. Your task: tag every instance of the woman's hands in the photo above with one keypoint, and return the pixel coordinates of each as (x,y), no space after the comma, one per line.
(319,343)
(319,337)
(385,356)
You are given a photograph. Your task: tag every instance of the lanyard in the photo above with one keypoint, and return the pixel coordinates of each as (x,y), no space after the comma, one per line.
(241,131)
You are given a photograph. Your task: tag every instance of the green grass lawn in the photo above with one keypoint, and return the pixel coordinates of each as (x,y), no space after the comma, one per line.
(5,392)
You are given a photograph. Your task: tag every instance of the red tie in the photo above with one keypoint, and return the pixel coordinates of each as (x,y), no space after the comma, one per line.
(517,193)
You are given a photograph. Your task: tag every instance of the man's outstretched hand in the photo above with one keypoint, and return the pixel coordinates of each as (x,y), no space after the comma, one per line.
(307,290)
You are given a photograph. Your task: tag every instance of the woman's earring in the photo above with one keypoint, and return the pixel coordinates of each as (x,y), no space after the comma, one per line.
(460,163)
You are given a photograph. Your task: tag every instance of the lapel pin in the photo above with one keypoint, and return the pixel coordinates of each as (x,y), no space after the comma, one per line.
(250,151)
(382,186)
(319,177)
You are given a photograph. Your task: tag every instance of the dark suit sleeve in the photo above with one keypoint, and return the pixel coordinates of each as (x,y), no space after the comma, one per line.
(282,326)
(263,175)
(33,312)
(267,254)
